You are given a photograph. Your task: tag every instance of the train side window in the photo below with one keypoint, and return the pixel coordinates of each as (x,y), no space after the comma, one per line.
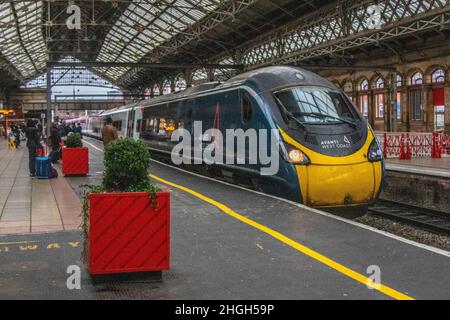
(247,110)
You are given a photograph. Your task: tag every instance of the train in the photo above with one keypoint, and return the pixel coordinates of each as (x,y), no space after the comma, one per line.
(329,155)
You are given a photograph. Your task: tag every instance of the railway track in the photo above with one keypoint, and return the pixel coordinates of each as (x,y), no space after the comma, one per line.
(425,218)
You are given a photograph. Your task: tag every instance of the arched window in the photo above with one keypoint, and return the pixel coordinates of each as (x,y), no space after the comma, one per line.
(415,97)
(379,83)
(416,79)
(379,98)
(364,86)
(438,76)
(156,90)
(399,80)
(363,98)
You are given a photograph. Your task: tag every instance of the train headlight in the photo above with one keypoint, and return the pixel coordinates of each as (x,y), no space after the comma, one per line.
(375,153)
(296,156)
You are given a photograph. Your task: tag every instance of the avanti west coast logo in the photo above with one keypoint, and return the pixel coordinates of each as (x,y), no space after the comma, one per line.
(336,143)
(237,147)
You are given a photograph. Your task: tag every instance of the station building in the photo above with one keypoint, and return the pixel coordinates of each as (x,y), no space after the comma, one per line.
(346,216)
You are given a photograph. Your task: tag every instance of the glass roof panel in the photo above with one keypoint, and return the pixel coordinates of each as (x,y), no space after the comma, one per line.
(145,25)
(21,39)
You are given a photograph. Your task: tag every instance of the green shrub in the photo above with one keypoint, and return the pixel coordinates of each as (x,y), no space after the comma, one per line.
(74,141)
(126,167)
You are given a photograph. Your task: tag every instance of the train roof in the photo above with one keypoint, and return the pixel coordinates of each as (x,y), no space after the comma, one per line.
(265,79)
(272,78)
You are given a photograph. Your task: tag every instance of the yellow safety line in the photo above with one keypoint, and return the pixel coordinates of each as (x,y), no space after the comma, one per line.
(303,249)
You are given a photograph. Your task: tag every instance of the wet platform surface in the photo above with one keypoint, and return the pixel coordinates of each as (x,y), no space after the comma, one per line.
(216,256)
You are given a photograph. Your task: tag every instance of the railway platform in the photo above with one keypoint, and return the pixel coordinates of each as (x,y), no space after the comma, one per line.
(421,166)
(30,205)
(232,243)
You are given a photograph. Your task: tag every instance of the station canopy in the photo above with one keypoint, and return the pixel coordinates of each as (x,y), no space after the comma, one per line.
(200,33)
(33,33)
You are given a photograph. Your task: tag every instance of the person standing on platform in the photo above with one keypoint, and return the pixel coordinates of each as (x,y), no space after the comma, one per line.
(109,133)
(16,133)
(62,130)
(55,139)
(33,143)
(79,130)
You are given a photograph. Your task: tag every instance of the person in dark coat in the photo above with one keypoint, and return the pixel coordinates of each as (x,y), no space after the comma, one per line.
(33,143)
(16,133)
(79,130)
(55,138)
(62,130)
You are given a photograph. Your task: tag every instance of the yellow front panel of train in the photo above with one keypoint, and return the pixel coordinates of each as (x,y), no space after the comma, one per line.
(340,185)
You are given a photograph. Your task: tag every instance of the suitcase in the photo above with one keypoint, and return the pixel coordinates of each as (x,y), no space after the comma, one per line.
(43,167)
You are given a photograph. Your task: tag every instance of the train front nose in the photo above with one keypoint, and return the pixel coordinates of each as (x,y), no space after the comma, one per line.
(340,185)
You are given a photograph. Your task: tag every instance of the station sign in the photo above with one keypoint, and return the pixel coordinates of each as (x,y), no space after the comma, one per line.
(6,112)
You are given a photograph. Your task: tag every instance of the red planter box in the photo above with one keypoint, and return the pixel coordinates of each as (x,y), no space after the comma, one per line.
(75,161)
(128,233)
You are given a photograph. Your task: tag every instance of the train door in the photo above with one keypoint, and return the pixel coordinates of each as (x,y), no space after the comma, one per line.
(229,118)
(130,124)
(138,118)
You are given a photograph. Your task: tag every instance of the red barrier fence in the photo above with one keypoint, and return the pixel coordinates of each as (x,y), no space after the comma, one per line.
(408,145)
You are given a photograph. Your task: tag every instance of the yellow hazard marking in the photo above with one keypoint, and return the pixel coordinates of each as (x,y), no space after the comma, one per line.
(299,247)
(29,247)
(74,244)
(32,246)
(53,246)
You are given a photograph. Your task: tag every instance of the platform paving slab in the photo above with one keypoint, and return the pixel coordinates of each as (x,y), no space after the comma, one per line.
(29,205)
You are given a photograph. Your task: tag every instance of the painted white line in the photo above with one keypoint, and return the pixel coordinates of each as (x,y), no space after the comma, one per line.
(93,146)
(322,213)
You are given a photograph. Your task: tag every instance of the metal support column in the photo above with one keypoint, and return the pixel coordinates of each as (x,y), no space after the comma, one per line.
(49,101)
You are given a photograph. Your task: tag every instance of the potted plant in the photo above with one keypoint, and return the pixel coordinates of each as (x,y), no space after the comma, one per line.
(75,158)
(126,221)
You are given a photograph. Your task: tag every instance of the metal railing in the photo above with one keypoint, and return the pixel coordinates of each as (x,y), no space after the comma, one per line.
(408,145)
